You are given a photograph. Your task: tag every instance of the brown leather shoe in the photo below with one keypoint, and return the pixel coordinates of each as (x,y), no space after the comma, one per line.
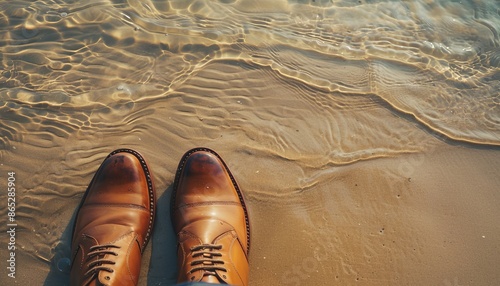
(114,222)
(211,221)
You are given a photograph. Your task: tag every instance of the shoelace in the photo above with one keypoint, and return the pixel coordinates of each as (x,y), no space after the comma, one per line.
(100,263)
(206,258)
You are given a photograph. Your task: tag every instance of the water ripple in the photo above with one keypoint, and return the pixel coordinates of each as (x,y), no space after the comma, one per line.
(313,85)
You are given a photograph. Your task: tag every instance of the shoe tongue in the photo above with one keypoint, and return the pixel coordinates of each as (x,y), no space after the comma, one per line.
(208,230)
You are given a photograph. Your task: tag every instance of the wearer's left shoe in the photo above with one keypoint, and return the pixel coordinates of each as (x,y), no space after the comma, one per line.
(114,222)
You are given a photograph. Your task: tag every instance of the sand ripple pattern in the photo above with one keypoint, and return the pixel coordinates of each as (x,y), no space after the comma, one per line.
(437,63)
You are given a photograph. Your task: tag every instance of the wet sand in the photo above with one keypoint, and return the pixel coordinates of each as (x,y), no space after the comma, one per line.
(417,219)
(364,135)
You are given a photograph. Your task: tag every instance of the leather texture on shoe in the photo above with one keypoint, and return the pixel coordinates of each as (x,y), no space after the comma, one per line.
(114,222)
(211,221)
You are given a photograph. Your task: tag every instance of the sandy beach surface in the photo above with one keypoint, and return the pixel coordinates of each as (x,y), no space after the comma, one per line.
(364,134)
(418,219)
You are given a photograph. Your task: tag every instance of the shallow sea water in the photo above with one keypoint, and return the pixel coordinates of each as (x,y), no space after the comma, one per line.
(305,100)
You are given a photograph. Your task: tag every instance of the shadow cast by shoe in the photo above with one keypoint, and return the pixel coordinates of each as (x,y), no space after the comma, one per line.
(163,263)
(60,264)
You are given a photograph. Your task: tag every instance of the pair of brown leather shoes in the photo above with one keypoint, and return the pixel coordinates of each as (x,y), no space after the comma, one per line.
(115,221)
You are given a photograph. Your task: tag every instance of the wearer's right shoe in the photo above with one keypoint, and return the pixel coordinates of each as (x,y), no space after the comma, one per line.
(211,221)
(114,222)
